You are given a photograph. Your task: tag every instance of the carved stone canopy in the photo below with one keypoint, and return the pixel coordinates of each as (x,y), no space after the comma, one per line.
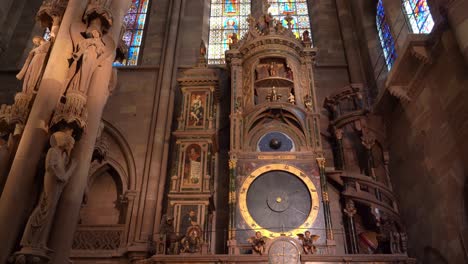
(50,10)
(71,112)
(99,9)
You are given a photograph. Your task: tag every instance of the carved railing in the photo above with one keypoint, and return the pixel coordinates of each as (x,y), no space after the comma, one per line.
(346,103)
(364,189)
(98,237)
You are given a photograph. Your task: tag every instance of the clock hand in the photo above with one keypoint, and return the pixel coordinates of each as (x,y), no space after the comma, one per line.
(298,210)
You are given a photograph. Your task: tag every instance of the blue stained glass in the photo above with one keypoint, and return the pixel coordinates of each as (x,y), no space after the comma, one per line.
(419,16)
(134,22)
(385,35)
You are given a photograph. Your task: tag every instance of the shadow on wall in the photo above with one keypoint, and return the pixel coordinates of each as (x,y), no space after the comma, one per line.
(433,256)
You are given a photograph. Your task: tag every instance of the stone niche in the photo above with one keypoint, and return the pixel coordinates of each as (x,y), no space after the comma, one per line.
(273,74)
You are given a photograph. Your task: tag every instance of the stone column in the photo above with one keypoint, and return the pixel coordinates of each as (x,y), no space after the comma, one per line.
(66,219)
(350,211)
(154,175)
(349,41)
(325,199)
(458,19)
(16,198)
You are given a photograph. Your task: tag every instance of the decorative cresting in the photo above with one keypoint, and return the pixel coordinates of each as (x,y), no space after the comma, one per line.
(91,47)
(279,202)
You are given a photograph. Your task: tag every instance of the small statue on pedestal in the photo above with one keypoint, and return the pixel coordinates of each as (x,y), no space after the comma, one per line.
(167,234)
(273,96)
(291,98)
(308,242)
(258,243)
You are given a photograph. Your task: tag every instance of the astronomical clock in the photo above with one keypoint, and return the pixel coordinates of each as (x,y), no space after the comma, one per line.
(277,182)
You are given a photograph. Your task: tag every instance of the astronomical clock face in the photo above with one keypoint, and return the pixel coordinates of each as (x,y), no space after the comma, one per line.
(275,141)
(278,199)
(283,252)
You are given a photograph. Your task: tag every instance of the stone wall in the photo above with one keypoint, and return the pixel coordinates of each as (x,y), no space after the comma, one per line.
(429,159)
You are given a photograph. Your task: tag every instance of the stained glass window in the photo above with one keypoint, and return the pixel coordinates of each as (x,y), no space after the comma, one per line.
(419,16)
(134,22)
(385,35)
(296,8)
(227,17)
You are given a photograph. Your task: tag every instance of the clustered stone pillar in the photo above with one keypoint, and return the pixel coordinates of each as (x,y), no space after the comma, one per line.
(350,211)
(349,42)
(325,199)
(17,194)
(458,19)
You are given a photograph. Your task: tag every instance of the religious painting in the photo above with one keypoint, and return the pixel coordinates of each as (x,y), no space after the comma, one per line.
(197,109)
(188,216)
(193,166)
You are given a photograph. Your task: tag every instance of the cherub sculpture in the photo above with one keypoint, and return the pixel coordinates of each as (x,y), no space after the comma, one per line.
(191,243)
(308,242)
(258,243)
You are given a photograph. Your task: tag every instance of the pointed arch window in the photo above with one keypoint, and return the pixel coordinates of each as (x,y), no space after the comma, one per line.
(419,16)
(385,35)
(296,8)
(134,22)
(226,18)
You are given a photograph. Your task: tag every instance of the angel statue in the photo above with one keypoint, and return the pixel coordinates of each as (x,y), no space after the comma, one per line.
(32,68)
(308,242)
(258,242)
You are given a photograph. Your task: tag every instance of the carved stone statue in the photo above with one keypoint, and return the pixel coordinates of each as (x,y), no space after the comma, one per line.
(202,48)
(58,168)
(191,243)
(89,49)
(273,96)
(167,233)
(258,243)
(32,68)
(308,242)
(291,98)
(306,36)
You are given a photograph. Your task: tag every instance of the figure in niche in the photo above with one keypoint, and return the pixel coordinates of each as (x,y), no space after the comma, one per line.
(196,111)
(258,243)
(32,68)
(289,73)
(308,242)
(273,96)
(58,168)
(291,98)
(193,165)
(167,234)
(230,6)
(89,52)
(191,243)
(273,69)
(308,102)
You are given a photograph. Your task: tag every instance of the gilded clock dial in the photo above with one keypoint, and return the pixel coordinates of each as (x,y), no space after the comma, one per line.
(279,201)
(283,252)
